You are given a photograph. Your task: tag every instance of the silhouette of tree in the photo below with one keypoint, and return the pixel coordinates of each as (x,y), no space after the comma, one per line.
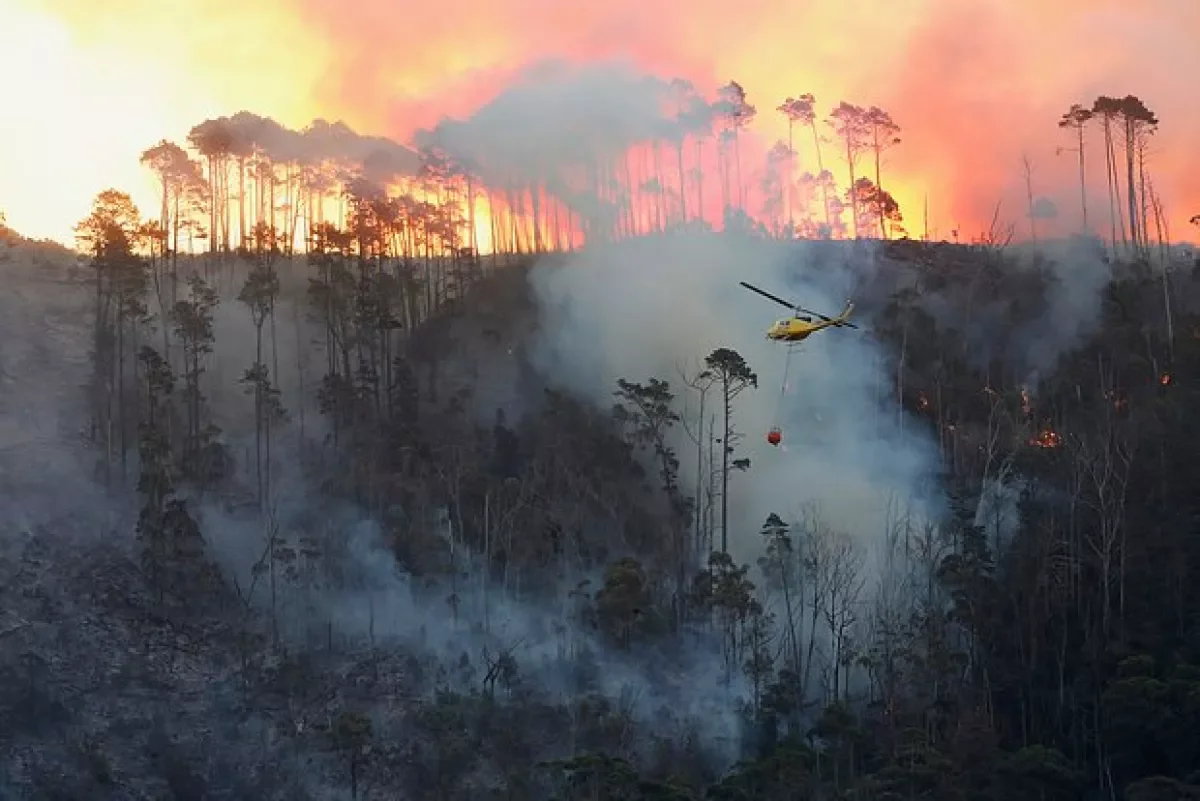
(111,235)
(1138,123)
(214,140)
(797,110)
(873,205)
(1108,111)
(851,124)
(883,136)
(1076,119)
(733,376)
(737,113)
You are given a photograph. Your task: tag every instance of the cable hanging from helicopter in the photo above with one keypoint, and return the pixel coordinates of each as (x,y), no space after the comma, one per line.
(775,435)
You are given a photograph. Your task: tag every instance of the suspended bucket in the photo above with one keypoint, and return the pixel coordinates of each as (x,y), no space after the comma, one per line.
(775,436)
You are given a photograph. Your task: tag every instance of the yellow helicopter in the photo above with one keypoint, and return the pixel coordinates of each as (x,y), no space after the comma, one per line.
(800,326)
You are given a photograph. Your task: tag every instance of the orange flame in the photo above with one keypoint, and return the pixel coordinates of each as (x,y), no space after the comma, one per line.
(1048,438)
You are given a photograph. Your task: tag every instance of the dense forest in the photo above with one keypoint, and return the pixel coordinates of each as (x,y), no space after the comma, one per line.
(346,504)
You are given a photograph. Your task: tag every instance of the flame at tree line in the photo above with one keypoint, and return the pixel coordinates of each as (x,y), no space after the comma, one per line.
(690,165)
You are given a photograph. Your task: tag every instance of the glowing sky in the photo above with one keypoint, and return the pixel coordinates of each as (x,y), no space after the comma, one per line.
(974,84)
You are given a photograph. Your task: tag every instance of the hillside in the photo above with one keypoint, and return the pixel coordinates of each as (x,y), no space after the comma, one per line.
(377,530)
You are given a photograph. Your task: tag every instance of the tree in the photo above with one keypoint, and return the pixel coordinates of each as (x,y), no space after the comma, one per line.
(883,136)
(1076,119)
(691,112)
(258,294)
(624,607)
(851,124)
(172,546)
(1138,122)
(214,140)
(797,110)
(873,205)
(778,566)
(1108,110)
(731,373)
(737,112)
(177,173)
(646,412)
(805,110)
(193,320)
(110,234)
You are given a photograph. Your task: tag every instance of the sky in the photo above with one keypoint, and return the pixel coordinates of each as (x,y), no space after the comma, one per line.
(976,85)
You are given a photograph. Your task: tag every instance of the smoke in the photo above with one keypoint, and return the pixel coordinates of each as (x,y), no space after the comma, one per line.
(459,625)
(380,159)
(1078,275)
(651,307)
(46,477)
(555,117)
(352,589)
(569,128)
(972,85)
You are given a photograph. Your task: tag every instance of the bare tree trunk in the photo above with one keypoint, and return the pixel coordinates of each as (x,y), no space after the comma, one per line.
(821,172)
(1082,176)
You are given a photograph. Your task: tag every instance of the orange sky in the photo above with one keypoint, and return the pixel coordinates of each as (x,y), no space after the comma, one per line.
(973,83)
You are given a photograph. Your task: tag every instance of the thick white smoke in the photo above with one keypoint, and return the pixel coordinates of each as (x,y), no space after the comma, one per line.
(648,307)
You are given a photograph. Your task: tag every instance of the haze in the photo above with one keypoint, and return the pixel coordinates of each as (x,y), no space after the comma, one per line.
(973,85)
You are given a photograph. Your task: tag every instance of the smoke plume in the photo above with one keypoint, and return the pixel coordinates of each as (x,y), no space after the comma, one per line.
(657,306)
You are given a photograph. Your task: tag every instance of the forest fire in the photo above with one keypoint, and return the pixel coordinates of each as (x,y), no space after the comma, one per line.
(1165,379)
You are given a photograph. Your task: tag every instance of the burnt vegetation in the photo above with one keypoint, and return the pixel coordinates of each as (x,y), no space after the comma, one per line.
(374,552)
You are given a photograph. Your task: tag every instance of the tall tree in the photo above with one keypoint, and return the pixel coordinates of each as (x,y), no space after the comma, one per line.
(737,112)
(1137,123)
(1076,119)
(110,235)
(733,376)
(170,163)
(214,140)
(850,123)
(259,294)
(805,109)
(193,321)
(797,110)
(647,414)
(884,135)
(1108,110)
(690,114)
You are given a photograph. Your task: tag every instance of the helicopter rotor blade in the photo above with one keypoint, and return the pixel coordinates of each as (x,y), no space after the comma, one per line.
(818,315)
(796,309)
(769,296)
(836,322)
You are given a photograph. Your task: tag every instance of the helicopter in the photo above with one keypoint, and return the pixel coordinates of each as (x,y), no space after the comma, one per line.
(800,326)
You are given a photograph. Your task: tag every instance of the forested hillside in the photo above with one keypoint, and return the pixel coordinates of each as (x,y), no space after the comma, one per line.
(359,523)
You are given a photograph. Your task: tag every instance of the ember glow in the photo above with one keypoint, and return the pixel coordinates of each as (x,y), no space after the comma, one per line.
(973,87)
(1048,438)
